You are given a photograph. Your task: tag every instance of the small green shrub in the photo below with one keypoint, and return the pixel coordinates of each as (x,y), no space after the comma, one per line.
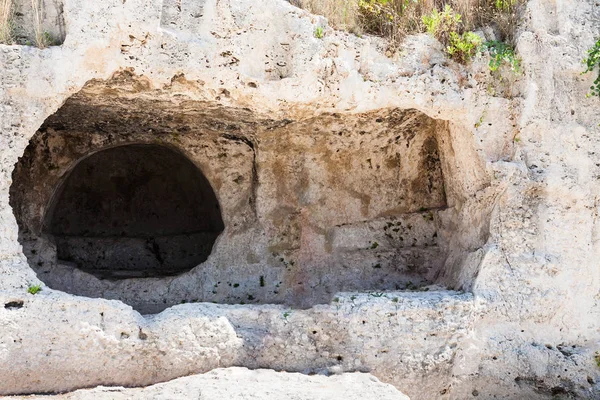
(504,5)
(441,25)
(446,26)
(463,47)
(501,53)
(319,32)
(597,358)
(591,62)
(34,289)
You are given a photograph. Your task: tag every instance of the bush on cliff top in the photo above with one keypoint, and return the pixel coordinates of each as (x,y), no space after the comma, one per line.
(393,19)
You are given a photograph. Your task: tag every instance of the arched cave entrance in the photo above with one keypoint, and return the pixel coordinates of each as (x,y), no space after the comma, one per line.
(134,211)
(113,200)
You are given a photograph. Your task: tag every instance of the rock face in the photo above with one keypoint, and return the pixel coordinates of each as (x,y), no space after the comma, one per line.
(423,221)
(243,384)
(301,200)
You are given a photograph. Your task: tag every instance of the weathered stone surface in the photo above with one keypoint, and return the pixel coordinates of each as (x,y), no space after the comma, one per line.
(358,332)
(340,203)
(516,225)
(243,384)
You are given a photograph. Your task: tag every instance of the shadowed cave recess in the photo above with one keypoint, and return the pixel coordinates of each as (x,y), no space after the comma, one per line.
(158,202)
(134,211)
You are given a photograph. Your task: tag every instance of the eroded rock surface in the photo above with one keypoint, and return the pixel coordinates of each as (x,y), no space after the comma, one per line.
(243,384)
(454,213)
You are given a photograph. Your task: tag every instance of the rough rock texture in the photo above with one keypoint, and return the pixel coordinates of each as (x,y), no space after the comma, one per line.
(513,309)
(243,384)
(304,215)
(359,332)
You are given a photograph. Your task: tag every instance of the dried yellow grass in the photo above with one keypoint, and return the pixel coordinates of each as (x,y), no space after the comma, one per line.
(39,36)
(6,21)
(341,14)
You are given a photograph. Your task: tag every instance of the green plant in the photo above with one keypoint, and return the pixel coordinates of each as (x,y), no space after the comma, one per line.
(592,61)
(34,289)
(504,5)
(319,32)
(446,26)
(501,53)
(6,21)
(463,47)
(48,38)
(480,121)
(597,358)
(442,25)
(286,315)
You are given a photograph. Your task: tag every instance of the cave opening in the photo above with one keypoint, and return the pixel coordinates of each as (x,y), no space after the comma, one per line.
(134,211)
(122,195)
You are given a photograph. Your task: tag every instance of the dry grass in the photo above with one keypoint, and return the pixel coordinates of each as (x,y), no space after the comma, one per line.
(40,37)
(6,21)
(342,14)
(394,19)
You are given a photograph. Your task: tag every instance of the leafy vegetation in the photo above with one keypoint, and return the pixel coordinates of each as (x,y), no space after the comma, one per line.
(592,61)
(442,25)
(449,21)
(34,289)
(394,19)
(319,32)
(501,53)
(463,47)
(445,27)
